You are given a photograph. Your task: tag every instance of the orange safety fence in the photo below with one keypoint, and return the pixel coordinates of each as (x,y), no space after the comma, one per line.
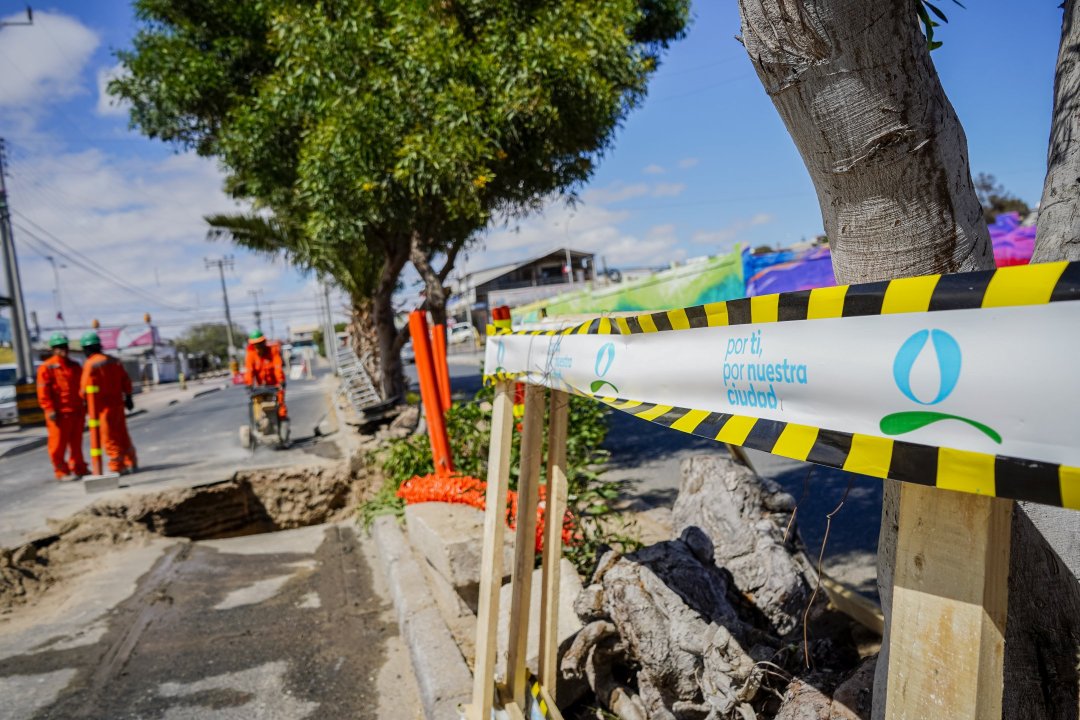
(466,490)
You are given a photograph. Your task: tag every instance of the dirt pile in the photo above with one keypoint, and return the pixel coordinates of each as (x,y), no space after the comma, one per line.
(73,544)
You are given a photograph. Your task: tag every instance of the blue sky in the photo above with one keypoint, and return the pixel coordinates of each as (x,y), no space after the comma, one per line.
(705,162)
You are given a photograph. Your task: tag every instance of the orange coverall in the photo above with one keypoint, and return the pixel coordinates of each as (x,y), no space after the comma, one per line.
(266,370)
(107,374)
(58,395)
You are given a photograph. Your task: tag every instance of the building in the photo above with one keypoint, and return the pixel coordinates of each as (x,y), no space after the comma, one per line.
(519,283)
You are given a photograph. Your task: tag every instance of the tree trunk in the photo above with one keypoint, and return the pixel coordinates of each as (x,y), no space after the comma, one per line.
(365,336)
(1058,234)
(855,86)
(420,255)
(390,339)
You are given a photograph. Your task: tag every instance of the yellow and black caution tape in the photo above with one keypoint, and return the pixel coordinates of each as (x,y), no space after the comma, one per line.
(1005,287)
(946,468)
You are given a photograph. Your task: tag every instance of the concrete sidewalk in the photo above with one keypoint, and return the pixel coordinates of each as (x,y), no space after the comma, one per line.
(15,440)
(284,626)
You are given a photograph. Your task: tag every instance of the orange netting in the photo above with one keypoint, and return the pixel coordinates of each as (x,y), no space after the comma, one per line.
(467,490)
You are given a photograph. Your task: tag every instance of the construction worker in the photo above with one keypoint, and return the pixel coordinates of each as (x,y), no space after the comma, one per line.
(263,366)
(104,377)
(58,395)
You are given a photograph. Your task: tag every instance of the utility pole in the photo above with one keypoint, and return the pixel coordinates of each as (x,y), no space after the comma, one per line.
(329,336)
(20,335)
(270,316)
(56,291)
(258,313)
(221,264)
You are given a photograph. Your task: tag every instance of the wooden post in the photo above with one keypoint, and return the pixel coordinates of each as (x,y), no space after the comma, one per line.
(532,440)
(487,616)
(554,511)
(950,596)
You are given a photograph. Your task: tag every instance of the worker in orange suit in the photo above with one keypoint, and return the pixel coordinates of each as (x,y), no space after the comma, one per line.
(263,366)
(104,377)
(58,395)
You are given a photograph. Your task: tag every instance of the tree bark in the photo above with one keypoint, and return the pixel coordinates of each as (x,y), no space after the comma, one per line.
(1058,234)
(855,86)
(390,339)
(421,253)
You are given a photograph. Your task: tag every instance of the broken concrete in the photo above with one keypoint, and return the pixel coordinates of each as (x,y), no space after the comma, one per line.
(451,537)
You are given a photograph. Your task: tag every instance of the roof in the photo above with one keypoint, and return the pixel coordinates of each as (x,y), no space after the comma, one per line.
(480,277)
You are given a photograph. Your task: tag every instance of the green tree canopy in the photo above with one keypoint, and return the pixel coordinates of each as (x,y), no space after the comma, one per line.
(379,130)
(209,338)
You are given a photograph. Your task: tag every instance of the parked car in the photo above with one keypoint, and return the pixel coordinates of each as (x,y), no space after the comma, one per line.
(9,409)
(463,333)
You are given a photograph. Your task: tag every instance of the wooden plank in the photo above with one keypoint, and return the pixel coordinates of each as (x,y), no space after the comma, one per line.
(487,616)
(862,610)
(553,521)
(532,440)
(950,598)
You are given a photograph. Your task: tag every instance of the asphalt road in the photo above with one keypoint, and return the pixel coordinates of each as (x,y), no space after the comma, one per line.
(192,442)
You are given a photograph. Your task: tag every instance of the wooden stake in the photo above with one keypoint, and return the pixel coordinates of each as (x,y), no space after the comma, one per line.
(532,439)
(553,523)
(487,617)
(949,605)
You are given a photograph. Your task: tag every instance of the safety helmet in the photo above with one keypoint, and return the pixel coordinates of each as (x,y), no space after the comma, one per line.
(58,339)
(89,338)
(256,336)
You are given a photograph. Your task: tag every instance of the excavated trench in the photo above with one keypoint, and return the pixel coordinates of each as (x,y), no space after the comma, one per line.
(252,502)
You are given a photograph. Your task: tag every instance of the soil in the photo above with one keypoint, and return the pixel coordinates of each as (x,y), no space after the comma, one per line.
(250,503)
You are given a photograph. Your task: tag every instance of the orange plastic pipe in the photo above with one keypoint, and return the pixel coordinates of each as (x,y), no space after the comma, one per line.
(429,393)
(442,367)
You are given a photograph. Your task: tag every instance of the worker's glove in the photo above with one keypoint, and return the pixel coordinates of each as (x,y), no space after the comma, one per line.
(129,403)
(51,416)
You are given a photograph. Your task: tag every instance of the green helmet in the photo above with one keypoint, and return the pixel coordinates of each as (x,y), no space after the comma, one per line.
(89,338)
(256,336)
(58,339)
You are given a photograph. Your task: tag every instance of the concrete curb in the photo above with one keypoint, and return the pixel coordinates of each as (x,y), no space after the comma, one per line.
(441,673)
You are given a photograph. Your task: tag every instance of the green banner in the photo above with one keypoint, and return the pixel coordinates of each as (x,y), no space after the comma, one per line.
(698,283)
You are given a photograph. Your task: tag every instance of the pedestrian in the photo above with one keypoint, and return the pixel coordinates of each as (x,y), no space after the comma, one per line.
(106,380)
(58,395)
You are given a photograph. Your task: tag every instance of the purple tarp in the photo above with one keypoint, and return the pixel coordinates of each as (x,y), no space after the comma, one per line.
(788,270)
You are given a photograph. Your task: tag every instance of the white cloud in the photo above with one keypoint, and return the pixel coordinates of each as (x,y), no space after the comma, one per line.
(687,163)
(43,63)
(106,104)
(142,220)
(654,170)
(726,235)
(614,193)
(668,189)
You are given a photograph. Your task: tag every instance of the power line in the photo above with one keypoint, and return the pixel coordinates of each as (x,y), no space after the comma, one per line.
(84,261)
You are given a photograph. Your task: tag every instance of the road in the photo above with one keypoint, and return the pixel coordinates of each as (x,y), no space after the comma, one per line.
(195,441)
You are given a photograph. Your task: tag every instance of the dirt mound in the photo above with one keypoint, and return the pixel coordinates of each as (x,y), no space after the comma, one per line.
(28,570)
